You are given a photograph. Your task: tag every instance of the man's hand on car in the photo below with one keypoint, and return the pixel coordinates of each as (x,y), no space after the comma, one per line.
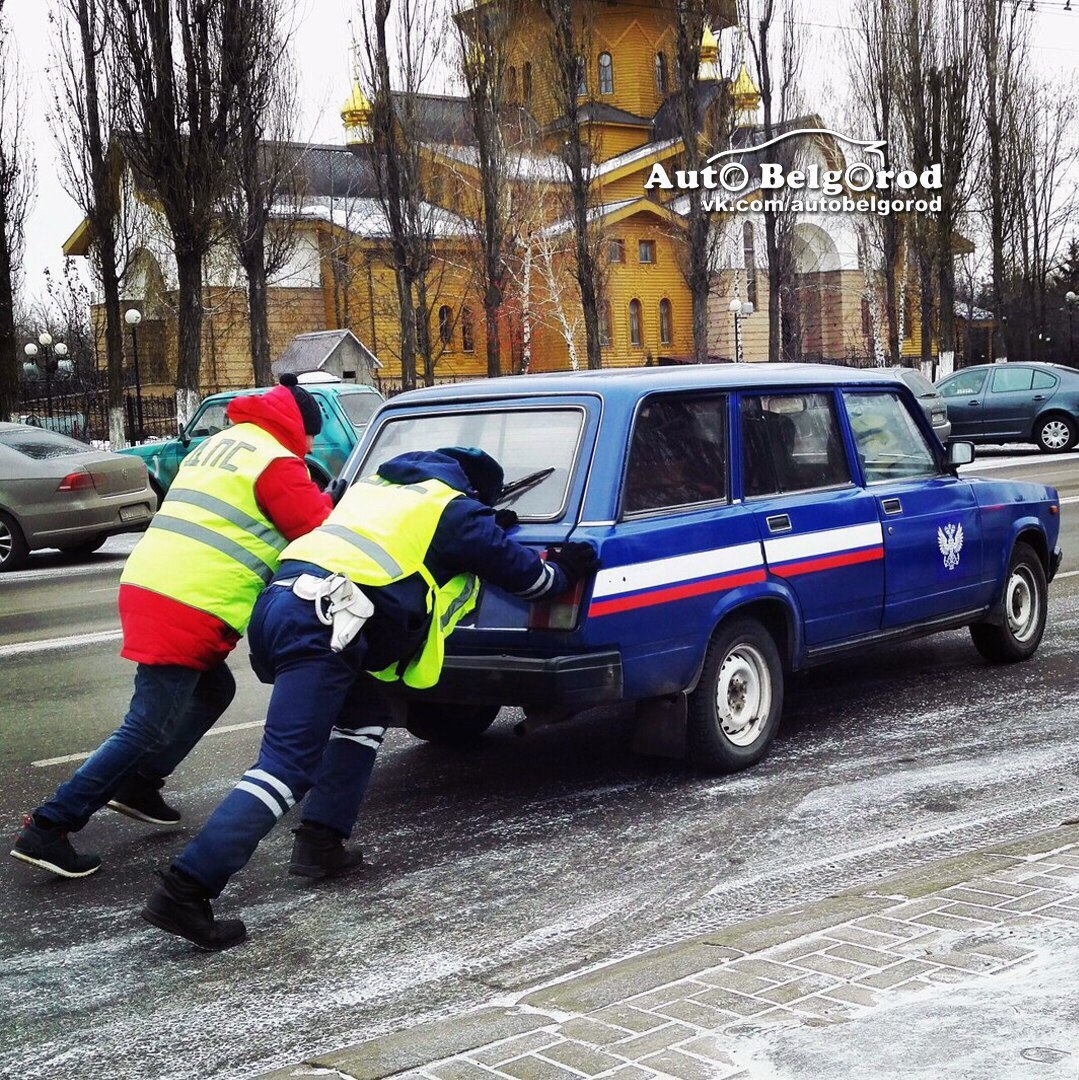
(506,518)
(576,560)
(336,489)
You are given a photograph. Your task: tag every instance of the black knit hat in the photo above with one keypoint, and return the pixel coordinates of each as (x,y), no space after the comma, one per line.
(483,472)
(308,406)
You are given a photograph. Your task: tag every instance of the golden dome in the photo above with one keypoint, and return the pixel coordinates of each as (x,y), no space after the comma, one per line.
(709,45)
(357,109)
(744,92)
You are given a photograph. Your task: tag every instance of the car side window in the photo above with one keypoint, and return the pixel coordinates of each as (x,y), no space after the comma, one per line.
(210,421)
(678,455)
(791,442)
(965,384)
(890,443)
(1043,381)
(1011,379)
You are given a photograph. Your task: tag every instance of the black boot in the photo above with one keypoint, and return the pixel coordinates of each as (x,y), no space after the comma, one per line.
(320,852)
(43,844)
(180,905)
(140,799)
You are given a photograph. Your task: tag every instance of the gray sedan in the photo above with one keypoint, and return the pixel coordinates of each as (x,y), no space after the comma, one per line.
(933,405)
(59,493)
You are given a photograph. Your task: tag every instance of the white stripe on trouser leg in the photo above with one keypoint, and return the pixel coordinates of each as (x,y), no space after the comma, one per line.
(279,786)
(263,794)
(373,741)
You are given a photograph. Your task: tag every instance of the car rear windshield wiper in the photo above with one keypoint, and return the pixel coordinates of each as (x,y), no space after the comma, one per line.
(513,491)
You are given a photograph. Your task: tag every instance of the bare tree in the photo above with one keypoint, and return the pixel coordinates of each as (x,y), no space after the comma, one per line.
(569,34)
(180,112)
(263,165)
(16,194)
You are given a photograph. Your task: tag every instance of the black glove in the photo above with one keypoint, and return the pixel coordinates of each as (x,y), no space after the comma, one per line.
(506,519)
(336,489)
(576,560)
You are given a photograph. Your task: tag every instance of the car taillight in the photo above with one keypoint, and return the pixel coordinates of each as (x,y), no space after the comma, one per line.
(939,414)
(76,481)
(557,614)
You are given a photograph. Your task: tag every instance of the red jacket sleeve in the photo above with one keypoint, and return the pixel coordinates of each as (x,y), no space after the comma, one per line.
(290,499)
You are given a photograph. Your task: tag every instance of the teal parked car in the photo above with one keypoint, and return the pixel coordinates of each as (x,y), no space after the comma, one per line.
(346,411)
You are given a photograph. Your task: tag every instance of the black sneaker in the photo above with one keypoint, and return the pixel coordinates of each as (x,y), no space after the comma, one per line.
(319,852)
(181,906)
(140,799)
(47,846)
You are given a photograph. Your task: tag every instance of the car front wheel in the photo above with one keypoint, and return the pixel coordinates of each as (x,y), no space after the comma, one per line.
(1054,434)
(449,725)
(13,547)
(733,714)
(1019,619)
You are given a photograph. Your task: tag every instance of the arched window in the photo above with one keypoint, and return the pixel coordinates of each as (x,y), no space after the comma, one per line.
(445,325)
(661,74)
(528,82)
(635,322)
(511,85)
(467,341)
(582,77)
(606,73)
(665,321)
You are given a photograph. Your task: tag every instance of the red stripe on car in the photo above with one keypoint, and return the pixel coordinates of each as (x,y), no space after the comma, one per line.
(676,592)
(828,562)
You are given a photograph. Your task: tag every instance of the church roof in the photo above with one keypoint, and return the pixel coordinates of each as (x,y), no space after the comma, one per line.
(310,352)
(366,218)
(599,112)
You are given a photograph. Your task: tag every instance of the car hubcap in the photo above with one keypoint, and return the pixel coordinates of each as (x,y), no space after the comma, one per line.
(6,542)
(1055,435)
(1022,604)
(743,694)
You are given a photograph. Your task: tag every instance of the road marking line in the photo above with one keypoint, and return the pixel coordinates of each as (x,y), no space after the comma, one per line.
(1067,573)
(1070,499)
(22,648)
(62,573)
(67,759)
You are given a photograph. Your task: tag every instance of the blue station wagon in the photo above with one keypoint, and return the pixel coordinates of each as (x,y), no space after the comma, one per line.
(752,520)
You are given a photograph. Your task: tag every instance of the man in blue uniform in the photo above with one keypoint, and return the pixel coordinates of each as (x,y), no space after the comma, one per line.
(369,597)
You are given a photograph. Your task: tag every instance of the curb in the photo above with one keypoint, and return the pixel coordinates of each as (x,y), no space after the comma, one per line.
(540,1006)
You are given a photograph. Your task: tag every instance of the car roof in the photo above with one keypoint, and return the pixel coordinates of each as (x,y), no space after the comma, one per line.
(641,380)
(1044,365)
(311,388)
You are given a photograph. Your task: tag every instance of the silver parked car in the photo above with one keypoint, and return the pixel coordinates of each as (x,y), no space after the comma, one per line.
(59,493)
(933,405)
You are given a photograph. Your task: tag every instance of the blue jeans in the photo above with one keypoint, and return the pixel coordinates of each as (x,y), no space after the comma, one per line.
(324,727)
(171,709)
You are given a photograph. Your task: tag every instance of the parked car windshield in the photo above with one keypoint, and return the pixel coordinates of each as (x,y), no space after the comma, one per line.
(522,441)
(359,408)
(39,444)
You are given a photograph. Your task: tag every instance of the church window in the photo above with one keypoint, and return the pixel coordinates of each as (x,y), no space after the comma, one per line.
(528,83)
(661,74)
(749,254)
(646,251)
(616,251)
(635,322)
(468,342)
(511,85)
(665,321)
(582,77)
(606,73)
(445,325)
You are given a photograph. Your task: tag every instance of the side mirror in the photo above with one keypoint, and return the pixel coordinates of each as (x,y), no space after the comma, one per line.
(185,439)
(960,453)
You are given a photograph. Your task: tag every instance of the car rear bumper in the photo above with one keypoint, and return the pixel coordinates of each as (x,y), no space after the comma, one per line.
(560,682)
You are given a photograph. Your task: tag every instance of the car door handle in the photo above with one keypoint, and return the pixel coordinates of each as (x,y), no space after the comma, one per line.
(1039,397)
(974,404)
(778,523)
(891,506)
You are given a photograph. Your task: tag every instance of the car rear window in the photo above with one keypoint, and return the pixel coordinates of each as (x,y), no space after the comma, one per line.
(522,441)
(359,408)
(40,445)
(921,386)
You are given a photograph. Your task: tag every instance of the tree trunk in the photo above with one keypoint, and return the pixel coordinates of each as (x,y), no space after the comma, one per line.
(189,335)
(9,350)
(258,313)
(494,346)
(925,284)
(775,280)
(114,341)
(408,329)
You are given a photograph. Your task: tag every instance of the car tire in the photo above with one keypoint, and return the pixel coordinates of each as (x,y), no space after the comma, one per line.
(1019,614)
(14,550)
(733,714)
(1055,433)
(87,548)
(449,725)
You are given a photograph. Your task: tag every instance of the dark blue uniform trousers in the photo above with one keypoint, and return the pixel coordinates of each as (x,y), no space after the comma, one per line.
(323,730)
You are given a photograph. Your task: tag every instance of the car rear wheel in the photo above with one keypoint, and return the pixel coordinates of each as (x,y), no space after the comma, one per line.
(449,725)
(1019,619)
(84,549)
(733,714)
(13,547)
(1055,433)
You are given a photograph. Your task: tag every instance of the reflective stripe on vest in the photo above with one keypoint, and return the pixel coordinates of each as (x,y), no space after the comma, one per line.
(210,546)
(380,533)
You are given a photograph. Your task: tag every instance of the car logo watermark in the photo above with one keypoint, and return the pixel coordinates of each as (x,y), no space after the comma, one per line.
(950,542)
(862,186)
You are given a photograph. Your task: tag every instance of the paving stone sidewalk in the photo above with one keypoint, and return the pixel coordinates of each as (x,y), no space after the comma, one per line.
(966,968)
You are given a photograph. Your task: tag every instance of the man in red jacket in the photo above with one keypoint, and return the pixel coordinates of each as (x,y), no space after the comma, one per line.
(185,597)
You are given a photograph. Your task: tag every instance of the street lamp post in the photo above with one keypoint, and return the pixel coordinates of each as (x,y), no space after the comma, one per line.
(48,362)
(133,317)
(740,309)
(1071,299)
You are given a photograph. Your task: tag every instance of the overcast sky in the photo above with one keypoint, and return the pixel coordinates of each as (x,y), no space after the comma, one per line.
(322,36)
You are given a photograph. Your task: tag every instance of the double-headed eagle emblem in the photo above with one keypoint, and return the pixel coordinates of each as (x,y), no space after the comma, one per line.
(950,542)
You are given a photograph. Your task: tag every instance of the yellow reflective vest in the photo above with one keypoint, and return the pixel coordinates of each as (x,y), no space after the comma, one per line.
(209,545)
(380,534)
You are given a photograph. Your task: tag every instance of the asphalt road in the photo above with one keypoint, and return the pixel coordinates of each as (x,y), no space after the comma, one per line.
(506,865)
